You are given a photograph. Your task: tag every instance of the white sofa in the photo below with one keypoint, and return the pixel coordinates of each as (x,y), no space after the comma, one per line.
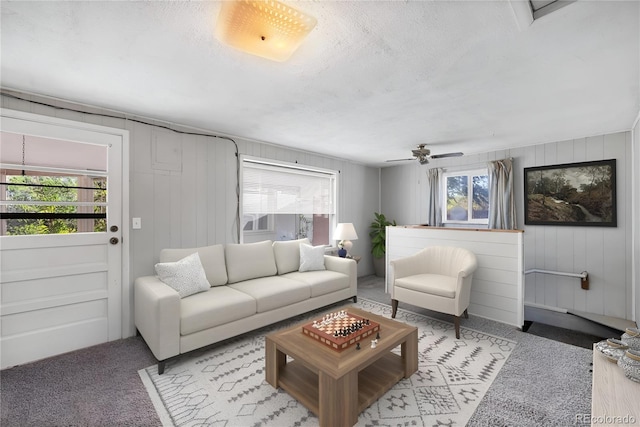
(252,285)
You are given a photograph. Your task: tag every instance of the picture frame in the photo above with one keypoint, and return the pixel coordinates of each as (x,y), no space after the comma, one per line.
(574,194)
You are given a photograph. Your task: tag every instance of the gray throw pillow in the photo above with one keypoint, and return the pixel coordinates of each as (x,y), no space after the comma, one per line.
(186,276)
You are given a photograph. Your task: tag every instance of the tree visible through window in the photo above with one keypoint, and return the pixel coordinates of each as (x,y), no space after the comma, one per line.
(52,204)
(466,197)
(51,186)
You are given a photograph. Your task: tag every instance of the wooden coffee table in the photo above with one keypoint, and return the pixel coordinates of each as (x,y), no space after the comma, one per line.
(337,386)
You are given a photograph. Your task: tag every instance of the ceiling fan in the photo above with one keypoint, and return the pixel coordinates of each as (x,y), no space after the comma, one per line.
(423,154)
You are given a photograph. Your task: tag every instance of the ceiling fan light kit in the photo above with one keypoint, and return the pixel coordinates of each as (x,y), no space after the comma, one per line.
(265,28)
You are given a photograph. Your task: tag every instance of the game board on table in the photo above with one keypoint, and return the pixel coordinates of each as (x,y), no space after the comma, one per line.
(341,329)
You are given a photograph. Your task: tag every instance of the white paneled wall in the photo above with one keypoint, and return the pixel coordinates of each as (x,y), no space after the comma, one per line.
(496,290)
(183,187)
(602,251)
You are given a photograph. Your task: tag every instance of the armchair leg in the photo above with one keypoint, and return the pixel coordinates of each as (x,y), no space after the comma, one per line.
(466,314)
(161,367)
(456,321)
(394,308)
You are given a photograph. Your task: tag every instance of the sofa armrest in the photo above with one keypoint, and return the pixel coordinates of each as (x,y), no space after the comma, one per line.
(346,266)
(157,316)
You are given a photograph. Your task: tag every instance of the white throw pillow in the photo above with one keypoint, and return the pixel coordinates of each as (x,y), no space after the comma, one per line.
(186,276)
(311,258)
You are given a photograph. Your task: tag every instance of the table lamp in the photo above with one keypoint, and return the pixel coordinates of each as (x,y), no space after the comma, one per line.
(345,232)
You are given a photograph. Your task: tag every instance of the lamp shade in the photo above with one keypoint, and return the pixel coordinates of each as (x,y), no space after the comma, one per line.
(264,28)
(345,231)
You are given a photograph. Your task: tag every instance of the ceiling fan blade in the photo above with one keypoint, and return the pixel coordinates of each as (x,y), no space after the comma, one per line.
(440,156)
(401,160)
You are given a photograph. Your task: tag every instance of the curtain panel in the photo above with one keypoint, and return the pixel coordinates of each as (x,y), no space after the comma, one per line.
(502,206)
(435,200)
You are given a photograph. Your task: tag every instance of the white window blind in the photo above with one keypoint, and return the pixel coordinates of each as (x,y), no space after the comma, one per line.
(282,189)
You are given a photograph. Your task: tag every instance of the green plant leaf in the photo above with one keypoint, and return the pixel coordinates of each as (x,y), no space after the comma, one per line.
(378,234)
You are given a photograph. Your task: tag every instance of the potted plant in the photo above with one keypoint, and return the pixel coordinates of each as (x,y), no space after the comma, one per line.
(378,242)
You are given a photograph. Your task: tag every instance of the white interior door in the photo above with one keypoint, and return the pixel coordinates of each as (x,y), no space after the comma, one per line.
(61,292)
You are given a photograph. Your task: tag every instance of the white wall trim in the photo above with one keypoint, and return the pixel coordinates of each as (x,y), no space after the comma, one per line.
(545,307)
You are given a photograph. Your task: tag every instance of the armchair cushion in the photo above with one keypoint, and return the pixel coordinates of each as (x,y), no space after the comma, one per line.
(435,284)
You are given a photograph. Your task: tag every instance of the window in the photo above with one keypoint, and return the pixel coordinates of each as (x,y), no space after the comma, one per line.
(50,203)
(51,187)
(466,197)
(284,201)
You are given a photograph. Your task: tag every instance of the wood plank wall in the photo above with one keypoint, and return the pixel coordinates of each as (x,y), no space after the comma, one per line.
(497,288)
(602,251)
(183,187)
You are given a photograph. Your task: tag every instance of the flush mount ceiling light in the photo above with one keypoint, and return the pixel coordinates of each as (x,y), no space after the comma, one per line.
(264,28)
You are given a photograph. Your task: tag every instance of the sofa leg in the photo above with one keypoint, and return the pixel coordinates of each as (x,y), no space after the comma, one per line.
(355,299)
(456,322)
(394,308)
(161,367)
(466,314)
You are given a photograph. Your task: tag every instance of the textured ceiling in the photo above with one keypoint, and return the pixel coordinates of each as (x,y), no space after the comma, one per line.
(371,81)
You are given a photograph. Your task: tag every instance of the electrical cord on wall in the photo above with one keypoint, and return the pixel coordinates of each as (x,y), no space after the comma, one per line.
(236,224)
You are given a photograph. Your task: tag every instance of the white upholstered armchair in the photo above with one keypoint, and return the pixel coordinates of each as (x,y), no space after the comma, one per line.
(437,278)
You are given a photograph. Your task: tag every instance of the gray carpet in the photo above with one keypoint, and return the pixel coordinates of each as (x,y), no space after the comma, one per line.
(544,382)
(96,386)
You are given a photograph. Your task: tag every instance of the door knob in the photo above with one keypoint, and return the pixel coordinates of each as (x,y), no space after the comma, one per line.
(113,240)
(114,228)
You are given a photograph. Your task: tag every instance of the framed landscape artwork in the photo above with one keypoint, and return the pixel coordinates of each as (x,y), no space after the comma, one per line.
(575,194)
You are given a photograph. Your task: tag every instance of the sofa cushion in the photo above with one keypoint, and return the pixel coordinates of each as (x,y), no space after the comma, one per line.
(311,258)
(287,254)
(215,307)
(321,282)
(212,258)
(435,284)
(186,276)
(247,261)
(274,291)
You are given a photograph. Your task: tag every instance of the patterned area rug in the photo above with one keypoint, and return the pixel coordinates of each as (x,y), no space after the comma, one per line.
(225,385)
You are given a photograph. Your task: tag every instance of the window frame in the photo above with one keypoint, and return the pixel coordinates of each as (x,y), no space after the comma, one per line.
(469,173)
(256,220)
(297,167)
(8,171)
